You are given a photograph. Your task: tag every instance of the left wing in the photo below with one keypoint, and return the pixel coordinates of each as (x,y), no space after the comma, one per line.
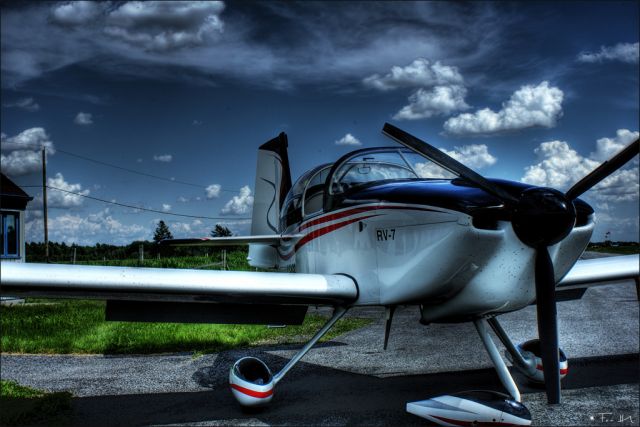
(174,285)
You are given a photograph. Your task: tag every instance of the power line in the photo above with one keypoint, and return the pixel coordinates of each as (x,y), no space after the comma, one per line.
(136,207)
(148,175)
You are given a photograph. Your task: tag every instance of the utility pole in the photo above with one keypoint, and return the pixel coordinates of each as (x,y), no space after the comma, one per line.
(44,204)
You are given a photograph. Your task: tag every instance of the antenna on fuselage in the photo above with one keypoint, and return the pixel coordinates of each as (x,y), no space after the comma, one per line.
(387,326)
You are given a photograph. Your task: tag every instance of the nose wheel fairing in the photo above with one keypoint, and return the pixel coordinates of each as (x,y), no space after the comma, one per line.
(472,408)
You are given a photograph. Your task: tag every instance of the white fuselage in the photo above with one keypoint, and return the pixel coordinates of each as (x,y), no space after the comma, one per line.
(435,257)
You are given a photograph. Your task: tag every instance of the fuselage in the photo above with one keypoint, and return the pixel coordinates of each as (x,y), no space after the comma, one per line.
(440,243)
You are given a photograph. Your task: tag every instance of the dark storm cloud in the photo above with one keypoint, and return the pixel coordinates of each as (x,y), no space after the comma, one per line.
(271,43)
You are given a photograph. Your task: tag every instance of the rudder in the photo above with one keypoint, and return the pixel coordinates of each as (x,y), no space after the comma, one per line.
(273,182)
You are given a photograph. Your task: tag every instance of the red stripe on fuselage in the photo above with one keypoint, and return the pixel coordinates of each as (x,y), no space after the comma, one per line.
(338,215)
(252,393)
(320,232)
(332,217)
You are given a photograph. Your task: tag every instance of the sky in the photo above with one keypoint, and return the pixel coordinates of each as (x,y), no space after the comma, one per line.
(162,105)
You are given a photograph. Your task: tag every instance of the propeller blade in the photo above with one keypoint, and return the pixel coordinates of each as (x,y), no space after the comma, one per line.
(547,323)
(603,171)
(445,161)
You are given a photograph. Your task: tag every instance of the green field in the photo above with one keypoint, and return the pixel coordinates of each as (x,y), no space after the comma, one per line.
(68,327)
(236,260)
(620,250)
(78,326)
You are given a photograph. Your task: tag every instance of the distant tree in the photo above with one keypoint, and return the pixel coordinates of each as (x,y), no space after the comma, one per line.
(221,231)
(162,232)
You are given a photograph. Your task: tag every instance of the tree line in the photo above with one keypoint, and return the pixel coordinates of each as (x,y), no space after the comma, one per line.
(61,252)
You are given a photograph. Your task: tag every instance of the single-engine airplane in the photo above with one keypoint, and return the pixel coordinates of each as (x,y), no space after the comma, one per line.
(386,227)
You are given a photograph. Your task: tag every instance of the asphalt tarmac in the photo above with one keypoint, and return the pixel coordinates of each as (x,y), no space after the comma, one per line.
(353,381)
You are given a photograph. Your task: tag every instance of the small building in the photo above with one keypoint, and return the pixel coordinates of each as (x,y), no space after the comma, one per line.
(13,202)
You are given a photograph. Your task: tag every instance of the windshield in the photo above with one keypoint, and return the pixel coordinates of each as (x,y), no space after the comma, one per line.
(426,168)
(383,165)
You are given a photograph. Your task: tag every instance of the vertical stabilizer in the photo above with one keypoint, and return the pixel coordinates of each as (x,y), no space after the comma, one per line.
(273,181)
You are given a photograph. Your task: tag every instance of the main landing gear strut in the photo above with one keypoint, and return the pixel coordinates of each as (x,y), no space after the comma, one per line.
(251,380)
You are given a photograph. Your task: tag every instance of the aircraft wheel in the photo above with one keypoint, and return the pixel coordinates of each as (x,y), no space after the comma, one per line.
(531,349)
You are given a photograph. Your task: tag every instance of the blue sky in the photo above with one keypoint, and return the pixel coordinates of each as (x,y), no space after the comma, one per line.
(187,91)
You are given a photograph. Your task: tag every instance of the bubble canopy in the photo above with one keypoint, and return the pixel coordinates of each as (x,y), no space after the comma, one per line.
(356,169)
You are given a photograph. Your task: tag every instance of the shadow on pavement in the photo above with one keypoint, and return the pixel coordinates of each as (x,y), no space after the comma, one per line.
(318,395)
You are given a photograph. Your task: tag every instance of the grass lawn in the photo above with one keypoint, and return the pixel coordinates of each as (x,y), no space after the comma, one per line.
(78,326)
(620,250)
(71,326)
(236,260)
(25,406)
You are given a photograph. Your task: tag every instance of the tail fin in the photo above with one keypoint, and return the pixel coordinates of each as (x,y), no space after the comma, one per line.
(273,182)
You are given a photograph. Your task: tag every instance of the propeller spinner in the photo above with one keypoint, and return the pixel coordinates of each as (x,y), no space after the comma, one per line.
(541,218)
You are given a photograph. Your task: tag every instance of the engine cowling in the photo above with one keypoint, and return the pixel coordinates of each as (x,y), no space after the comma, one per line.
(251,382)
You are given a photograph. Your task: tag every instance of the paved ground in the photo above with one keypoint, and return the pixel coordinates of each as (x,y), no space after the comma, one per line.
(352,381)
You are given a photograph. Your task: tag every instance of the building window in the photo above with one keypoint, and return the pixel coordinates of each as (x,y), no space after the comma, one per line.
(9,238)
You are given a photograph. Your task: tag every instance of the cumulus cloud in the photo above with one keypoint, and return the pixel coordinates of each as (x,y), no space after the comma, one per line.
(608,147)
(475,156)
(30,139)
(348,139)
(420,73)
(86,229)
(77,12)
(60,194)
(623,52)
(240,204)
(165,25)
(165,158)
(529,106)
(440,88)
(560,166)
(438,101)
(19,163)
(213,191)
(166,207)
(83,119)
(64,199)
(188,229)
(149,25)
(21,154)
(27,104)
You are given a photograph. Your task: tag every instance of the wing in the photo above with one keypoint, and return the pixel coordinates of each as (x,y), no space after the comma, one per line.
(590,272)
(178,285)
(177,295)
(229,241)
